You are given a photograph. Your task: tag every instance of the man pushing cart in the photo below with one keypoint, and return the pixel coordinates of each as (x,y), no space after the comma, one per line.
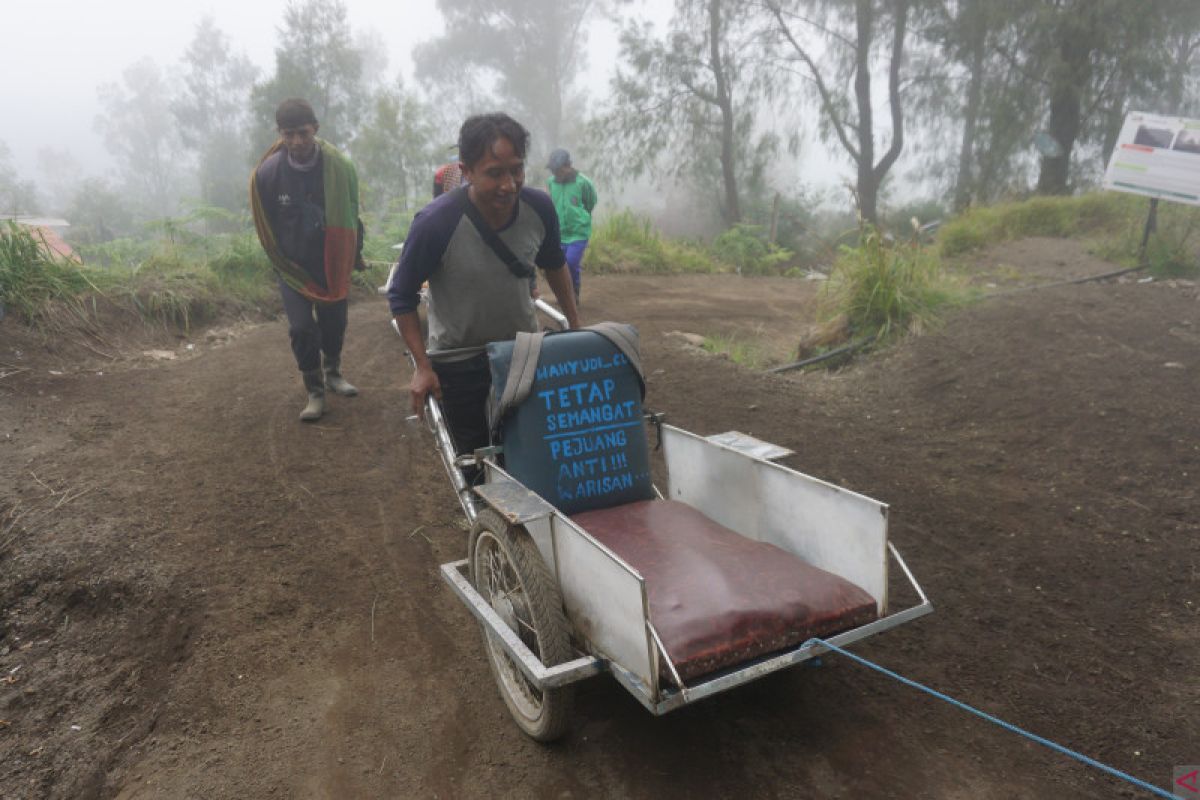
(576,562)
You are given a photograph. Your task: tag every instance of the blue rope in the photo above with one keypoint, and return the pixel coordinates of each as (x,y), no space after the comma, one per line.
(1116,773)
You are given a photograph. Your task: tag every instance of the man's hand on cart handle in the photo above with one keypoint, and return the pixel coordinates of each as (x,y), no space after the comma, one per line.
(424,383)
(564,292)
(424,380)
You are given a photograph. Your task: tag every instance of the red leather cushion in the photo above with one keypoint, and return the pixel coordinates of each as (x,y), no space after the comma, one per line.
(717,598)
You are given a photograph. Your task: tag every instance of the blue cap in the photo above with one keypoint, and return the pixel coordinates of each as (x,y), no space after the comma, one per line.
(559,158)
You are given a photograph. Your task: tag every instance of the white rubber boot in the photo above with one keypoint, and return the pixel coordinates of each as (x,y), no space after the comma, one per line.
(334,380)
(315,385)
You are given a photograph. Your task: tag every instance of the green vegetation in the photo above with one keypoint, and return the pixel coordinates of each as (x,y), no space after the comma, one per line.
(1173,250)
(747,249)
(179,278)
(628,242)
(171,275)
(171,279)
(745,352)
(1115,220)
(1038,216)
(32,276)
(886,289)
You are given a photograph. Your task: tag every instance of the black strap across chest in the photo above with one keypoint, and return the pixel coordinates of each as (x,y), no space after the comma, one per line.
(518,267)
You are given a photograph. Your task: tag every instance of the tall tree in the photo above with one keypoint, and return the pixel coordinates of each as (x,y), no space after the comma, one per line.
(17,196)
(211,112)
(139,131)
(396,151)
(316,59)
(851,34)
(1099,55)
(686,102)
(975,110)
(525,53)
(58,173)
(98,212)
(1180,94)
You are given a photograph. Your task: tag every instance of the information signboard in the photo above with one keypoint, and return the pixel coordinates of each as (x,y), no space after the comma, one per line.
(1157,157)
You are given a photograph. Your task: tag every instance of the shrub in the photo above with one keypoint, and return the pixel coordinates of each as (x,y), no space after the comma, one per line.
(1038,216)
(745,248)
(177,284)
(627,242)
(242,261)
(32,276)
(899,220)
(744,352)
(886,288)
(1172,250)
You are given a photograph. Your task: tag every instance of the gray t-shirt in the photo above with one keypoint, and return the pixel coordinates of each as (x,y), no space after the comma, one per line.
(473,297)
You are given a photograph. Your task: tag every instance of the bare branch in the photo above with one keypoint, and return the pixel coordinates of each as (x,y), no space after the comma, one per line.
(822,89)
(897,144)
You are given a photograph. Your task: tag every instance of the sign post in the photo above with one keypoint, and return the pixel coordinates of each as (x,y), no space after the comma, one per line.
(1151,224)
(1158,157)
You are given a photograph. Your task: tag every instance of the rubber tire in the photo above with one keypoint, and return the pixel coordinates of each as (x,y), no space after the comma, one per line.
(547,618)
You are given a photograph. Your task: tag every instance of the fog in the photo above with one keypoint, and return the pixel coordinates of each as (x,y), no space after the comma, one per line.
(800,106)
(60,52)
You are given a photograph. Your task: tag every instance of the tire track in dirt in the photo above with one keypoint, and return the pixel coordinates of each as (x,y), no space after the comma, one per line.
(197,466)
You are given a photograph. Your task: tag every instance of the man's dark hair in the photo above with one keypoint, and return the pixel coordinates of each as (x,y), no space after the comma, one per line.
(480,132)
(294,112)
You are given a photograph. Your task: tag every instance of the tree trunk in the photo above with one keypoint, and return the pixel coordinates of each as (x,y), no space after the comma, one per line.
(733,209)
(870,174)
(899,32)
(1112,128)
(1069,78)
(964,185)
(868,188)
(1064,127)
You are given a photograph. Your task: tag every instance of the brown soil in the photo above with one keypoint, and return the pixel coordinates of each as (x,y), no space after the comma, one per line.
(201,597)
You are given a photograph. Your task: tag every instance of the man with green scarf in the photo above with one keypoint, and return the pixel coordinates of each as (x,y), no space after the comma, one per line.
(304,196)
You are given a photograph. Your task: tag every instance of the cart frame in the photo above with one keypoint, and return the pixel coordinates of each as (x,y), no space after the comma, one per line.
(730,477)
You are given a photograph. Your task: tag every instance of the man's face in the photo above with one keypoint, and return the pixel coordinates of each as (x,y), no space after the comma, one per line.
(497,177)
(300,141)
(563,173)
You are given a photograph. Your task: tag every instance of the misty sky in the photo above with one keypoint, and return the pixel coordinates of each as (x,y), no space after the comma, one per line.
(67,48)
(56,53)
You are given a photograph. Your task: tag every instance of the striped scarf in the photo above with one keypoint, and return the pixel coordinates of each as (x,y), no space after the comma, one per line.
(341,228)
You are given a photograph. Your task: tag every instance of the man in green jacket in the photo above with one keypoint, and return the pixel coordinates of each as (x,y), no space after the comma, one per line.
(574,198)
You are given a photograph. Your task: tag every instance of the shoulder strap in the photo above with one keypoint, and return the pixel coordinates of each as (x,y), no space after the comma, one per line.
(522,368)
(515,265)
(625,339)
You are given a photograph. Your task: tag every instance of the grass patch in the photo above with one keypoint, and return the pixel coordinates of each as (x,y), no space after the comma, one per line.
(173,276)
(1038,216)
(33,277)
(174,281)
(747,249)
(887,289)
(183,281)
(1173,250)
(745,352)
(628,243)
(1115,219)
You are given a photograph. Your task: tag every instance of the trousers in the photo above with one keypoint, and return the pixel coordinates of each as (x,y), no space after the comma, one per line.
(314,328)
(465,387)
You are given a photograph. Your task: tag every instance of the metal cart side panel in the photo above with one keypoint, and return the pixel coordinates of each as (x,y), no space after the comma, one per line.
(604,597)
(829,527)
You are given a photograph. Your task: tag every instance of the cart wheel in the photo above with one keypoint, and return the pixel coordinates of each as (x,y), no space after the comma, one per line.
(508,571)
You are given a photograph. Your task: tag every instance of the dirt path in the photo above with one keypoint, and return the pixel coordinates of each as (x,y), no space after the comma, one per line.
(204,598)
